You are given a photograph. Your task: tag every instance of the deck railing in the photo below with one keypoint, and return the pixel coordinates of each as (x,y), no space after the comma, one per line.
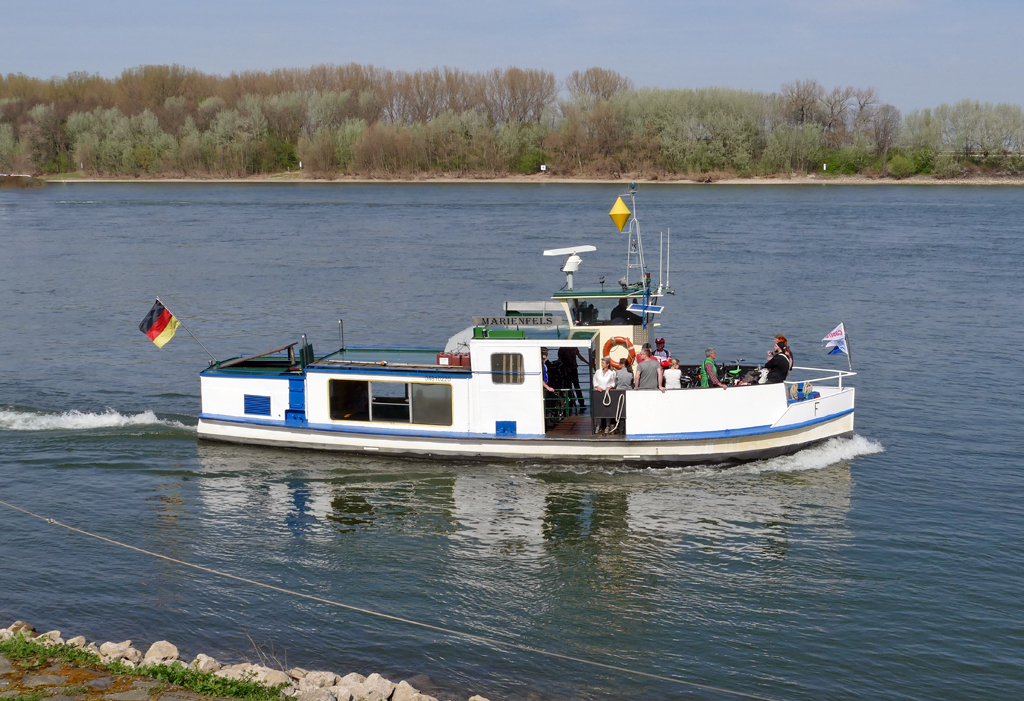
(828,375)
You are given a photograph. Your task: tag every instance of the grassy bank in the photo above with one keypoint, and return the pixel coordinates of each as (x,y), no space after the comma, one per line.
(30,656)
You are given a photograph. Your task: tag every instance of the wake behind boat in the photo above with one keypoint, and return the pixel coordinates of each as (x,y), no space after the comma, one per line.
(483,395)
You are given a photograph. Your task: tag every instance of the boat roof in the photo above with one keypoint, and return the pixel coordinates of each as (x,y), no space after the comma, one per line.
(632,291)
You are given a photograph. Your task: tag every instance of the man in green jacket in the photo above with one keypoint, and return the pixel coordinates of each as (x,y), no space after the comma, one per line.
(708,373)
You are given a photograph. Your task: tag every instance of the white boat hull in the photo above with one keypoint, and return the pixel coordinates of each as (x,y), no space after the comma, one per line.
(711,450)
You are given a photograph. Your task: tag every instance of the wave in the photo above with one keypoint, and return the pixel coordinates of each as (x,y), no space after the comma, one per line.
(75,420)
(832,451)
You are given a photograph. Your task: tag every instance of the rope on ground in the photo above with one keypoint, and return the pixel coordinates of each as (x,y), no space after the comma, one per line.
(369,612)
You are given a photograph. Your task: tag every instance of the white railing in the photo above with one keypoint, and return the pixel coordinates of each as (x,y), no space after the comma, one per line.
(829,375)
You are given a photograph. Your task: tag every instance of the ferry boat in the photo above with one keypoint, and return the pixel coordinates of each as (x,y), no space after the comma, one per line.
(482,395)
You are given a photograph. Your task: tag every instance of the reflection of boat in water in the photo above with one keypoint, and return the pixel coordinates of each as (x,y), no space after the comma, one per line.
(483,395)
(733,514)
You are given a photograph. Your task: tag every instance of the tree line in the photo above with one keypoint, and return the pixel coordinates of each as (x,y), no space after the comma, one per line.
(371,121)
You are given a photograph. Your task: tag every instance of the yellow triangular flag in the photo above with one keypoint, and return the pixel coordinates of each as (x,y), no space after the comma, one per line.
(620,213)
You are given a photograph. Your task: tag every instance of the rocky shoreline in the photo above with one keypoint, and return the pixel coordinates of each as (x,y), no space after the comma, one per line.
(67,683)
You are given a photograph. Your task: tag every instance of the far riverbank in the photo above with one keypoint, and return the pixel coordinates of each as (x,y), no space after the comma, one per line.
(700,179)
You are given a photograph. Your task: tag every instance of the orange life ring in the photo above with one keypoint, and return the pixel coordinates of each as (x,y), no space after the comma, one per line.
(619,341)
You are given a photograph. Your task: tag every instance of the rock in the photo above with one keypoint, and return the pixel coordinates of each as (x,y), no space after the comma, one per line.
(114,651)
(26,628)
(42,680)
(379,687)
(101,684)
(5,665)
(273,677)
(296,673)
(355,690)
(53,636)
(423,697)
(128,663)
(290,691)
(341,693)
(5,635)
(404,691)
(204,663)
(91,647)
(78,641)
(144,684)
(353,678)
(318,680)
(478,697)
(130,695)
(318,694)
(240,672)
(160,652)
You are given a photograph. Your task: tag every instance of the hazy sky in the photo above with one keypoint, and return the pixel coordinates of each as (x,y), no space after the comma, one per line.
(917,53)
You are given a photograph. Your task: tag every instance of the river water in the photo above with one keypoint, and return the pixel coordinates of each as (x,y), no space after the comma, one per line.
(886,566)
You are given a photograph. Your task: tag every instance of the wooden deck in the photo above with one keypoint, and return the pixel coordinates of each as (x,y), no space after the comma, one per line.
(579,427)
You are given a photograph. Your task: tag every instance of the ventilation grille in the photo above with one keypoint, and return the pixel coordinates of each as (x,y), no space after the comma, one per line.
(257,404)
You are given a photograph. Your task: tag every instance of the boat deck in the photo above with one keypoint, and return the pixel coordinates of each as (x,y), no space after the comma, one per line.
(579,427)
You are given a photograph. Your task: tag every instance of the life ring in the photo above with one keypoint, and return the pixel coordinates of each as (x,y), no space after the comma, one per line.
(619,341)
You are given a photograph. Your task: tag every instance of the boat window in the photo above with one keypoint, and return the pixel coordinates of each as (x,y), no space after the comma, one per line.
(507,368)
(432,404)
(389,402)
(350,400)
(392,402)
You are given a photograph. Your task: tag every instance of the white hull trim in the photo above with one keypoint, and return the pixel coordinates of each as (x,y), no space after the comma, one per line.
(738,448)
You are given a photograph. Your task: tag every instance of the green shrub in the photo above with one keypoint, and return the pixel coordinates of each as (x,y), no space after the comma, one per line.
(948,167)
(924,161)
(901,167)
(531,160)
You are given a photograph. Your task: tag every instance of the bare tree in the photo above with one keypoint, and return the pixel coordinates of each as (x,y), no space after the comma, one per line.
(801,101)
(836,113)
(885,127)
(518,95)
(597,82)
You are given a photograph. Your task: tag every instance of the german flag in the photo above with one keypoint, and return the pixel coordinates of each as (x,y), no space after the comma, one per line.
(159,325)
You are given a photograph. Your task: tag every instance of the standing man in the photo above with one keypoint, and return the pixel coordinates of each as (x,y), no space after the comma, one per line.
(708,371)
(568,356)
(649,374)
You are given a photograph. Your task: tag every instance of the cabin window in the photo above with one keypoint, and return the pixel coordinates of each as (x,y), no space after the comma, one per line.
(431,404)
(392,402)
(389,402)
(507,368)
(350,400)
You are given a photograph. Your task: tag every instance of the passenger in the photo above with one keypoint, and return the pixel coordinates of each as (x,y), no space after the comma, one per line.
(571,373)
(624,376)
(673,375)
(660,351)
(604,381)
(649,374)
(623,380)
(544,370)
(549,392)
(621,316)
(780,361)
(708,371)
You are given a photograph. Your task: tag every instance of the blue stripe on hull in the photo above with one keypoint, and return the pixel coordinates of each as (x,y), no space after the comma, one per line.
(452,435)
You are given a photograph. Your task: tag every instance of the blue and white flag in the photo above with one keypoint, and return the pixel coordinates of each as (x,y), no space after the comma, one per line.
(836,340)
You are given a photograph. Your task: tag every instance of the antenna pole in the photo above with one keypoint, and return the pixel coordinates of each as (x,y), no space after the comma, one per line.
(214,360)
(668,261)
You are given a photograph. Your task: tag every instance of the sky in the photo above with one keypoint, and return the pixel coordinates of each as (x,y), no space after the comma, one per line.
(916,53)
